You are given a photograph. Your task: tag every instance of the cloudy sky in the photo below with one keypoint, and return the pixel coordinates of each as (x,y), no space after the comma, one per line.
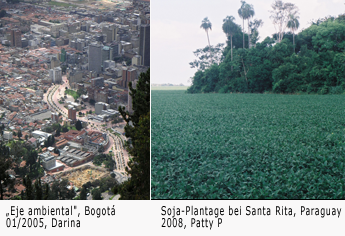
(176,31)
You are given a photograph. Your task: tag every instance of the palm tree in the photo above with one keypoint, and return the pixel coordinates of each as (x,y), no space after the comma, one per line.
(241,15)
(248,12)
(206,25)
(229,28)
(293,24)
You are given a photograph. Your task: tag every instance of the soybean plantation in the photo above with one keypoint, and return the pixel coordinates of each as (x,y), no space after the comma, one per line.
(247,146)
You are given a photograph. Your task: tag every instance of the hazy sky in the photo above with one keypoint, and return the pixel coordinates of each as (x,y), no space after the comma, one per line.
(176,31)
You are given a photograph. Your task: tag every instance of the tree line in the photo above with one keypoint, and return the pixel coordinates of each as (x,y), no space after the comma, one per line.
(137,131)
(310,62)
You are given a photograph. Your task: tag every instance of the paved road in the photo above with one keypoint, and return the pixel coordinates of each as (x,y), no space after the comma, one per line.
(121,157)
(120,176)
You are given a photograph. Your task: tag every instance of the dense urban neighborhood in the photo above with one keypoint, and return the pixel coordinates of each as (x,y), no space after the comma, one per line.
(65,77)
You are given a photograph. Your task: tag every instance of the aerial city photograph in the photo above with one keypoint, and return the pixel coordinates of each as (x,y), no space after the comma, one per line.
(248,100)
(74,99)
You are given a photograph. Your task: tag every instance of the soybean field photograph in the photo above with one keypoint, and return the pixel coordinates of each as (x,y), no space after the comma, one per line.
(247,146)
(253,105)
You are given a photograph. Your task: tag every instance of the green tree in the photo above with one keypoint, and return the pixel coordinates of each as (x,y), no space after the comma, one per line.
(207,56)
(96,194)
(230,28)
(254,33)
(31,159)
(83,193)
(241,14)
(5,164)
(78,125)
(26,137)
(29,190)
(280,15)
(2,128)
(100,149)
(61,192)
(92,101)
(54,193)
(38,189)
(56,151)
(2,13)
(20,134)
(207,25)
(64,129)
(58,132)
(248,13)
(138,187)
(46,192)
(293,24)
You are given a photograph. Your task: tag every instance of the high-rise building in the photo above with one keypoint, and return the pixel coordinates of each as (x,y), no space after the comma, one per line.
(55,117)
(136,60)
(97,82)
(115,46)
(101,96)
(107,53)
(128,75)
(72,113)
(108,63)
(99,107)
(55,75)
(75,76)
(51,75)
(110,32)
(54,63)
(95,57)
(16,38)
(98,18)
(144,44)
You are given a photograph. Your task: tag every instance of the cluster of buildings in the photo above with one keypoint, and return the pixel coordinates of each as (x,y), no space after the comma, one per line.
(100,50)
(46,43)
(75,148)
(99,53)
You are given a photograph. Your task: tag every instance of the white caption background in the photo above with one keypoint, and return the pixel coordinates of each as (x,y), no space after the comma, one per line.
(145,218)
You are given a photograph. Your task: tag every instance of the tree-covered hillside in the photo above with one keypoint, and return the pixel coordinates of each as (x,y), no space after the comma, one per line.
(316,67)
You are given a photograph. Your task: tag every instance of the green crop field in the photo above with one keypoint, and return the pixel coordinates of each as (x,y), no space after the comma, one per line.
(247,146)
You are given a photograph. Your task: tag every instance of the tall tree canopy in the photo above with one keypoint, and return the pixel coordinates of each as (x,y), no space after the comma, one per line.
(241,14)
(207,56)
(230,28)
(293,24)
(280,15)
(206,25)
(317,66)
(78,125)
(5,164)
(254,33)
(138,132)
(248,13)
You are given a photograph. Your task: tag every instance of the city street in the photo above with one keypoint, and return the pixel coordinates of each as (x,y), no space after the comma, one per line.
(115,146)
